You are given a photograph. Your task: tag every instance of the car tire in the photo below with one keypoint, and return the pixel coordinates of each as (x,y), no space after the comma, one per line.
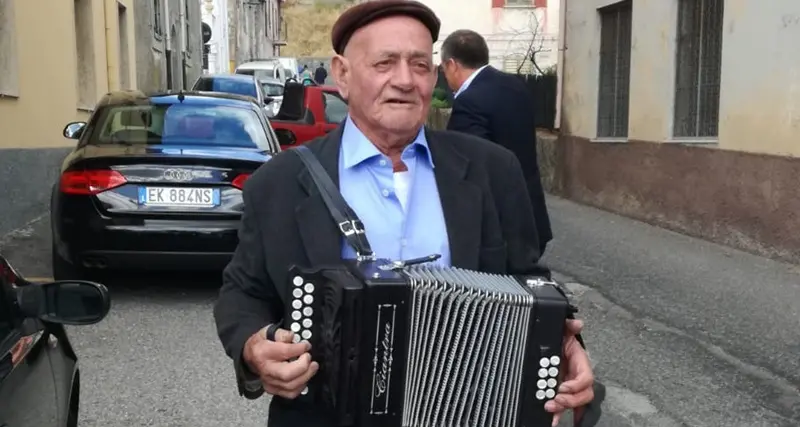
(65,270)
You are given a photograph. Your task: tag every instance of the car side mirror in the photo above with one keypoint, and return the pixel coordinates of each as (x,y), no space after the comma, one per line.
(74,130)
(285,137)
(67,302)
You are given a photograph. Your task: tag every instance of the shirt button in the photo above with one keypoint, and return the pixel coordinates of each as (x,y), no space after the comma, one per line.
(385,193)
(382,162)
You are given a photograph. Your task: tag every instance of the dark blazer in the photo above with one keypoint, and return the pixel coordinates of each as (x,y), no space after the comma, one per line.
(499,107)
(285,222)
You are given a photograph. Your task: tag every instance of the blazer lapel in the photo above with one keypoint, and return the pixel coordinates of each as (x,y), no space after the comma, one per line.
(318,231)
(461,202)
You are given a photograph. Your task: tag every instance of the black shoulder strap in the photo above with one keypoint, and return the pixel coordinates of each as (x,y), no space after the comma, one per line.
(349,224)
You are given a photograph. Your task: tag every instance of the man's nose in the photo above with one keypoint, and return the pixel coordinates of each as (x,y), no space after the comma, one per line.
(402,77)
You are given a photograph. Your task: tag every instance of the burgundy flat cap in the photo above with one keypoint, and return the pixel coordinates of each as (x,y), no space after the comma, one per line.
(363,14)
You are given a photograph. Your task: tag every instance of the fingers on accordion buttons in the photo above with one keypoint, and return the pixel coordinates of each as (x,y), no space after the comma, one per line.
(296,338)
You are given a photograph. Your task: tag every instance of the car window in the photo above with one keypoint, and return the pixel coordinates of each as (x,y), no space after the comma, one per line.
(266,73)
(237,87)
(272,89)
(335,107)
(180,124)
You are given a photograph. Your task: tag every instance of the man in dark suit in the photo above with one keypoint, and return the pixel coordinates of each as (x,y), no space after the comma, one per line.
(495,106)
(417,191)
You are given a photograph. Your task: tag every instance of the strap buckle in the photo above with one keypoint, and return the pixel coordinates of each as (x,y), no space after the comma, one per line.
(348,228)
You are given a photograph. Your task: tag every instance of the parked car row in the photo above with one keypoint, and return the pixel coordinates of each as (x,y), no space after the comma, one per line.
(154,182)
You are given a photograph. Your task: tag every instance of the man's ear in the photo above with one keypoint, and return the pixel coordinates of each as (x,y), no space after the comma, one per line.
(340,69)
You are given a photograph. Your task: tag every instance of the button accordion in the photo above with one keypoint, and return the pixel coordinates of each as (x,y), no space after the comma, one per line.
(428,346)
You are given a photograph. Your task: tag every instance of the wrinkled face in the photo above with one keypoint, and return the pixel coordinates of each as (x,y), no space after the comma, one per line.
(387,74)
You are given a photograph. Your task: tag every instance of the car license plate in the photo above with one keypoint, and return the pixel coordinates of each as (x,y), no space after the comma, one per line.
(178,196)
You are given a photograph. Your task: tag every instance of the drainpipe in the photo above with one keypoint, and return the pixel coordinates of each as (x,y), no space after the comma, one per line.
(111,14)
(562,47)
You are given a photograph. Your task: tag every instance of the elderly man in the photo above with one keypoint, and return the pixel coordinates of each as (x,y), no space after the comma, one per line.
(417,192)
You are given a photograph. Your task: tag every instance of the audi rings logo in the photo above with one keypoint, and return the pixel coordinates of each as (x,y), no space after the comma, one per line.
(178,175)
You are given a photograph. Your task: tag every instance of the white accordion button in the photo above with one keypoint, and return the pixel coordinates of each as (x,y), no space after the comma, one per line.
(308,311)
(544,362)
(553,372)
(297,293)
(543,373)
(542,384)
(306,323)
(306,334)
(297,304)
(550,393)
(552,383)
(295,327)
(305,391)
(540,394)
(296,315)
(309,287)
(308,299)
(555,360)
(298,281)
(296,338)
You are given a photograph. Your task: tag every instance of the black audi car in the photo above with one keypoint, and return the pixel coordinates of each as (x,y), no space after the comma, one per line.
(155,182)
(39,370)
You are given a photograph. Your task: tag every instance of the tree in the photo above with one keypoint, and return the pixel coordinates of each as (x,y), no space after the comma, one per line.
(527,41)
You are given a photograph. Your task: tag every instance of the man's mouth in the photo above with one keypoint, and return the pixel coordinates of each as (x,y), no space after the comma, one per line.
(398,101)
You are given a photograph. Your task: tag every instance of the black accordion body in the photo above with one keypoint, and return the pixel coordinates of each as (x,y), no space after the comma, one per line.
(429,346)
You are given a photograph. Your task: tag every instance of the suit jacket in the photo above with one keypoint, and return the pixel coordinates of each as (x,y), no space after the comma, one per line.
(285,222)
(499,107)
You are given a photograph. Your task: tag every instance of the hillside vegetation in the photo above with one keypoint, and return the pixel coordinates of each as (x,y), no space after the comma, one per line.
(309,27)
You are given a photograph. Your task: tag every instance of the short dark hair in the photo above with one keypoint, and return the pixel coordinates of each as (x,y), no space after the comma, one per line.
(466,47)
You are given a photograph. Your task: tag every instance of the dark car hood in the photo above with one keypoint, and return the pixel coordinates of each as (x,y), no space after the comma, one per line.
(138,150)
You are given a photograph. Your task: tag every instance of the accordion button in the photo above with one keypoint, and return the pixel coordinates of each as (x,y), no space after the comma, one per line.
(296,315)
(305,391)
(308,311)
(307,323)
(297,293)
(553,372)
(543,373)
(544,362)
(542,384)
(306,334)
(550,393)
(297,304)
(298,281)
(540,395)
(308,299)
(295,327)
(552,383)
(296,338)
(555,360)
(309,287)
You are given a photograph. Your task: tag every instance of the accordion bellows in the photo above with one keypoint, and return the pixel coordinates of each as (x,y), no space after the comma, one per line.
(429,346)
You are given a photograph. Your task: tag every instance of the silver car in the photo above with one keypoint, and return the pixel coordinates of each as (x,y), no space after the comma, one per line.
(272,88)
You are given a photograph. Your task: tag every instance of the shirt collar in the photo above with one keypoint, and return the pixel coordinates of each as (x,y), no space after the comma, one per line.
(468,81)
(356,148)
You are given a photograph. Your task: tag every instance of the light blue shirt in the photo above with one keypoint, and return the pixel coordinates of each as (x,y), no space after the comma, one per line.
(367,182)
(468,81)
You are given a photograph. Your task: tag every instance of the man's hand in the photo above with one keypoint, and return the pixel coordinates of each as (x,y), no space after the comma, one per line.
(270,361)
(576,388)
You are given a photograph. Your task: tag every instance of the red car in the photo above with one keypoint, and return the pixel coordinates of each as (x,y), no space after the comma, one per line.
(307,112)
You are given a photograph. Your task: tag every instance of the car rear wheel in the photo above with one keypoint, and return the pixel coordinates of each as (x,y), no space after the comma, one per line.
(65,270)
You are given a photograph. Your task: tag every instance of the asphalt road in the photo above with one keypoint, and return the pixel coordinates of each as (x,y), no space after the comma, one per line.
(682,333)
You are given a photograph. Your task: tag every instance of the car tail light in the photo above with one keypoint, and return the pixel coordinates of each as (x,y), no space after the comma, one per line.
(90,182)
(239,181)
